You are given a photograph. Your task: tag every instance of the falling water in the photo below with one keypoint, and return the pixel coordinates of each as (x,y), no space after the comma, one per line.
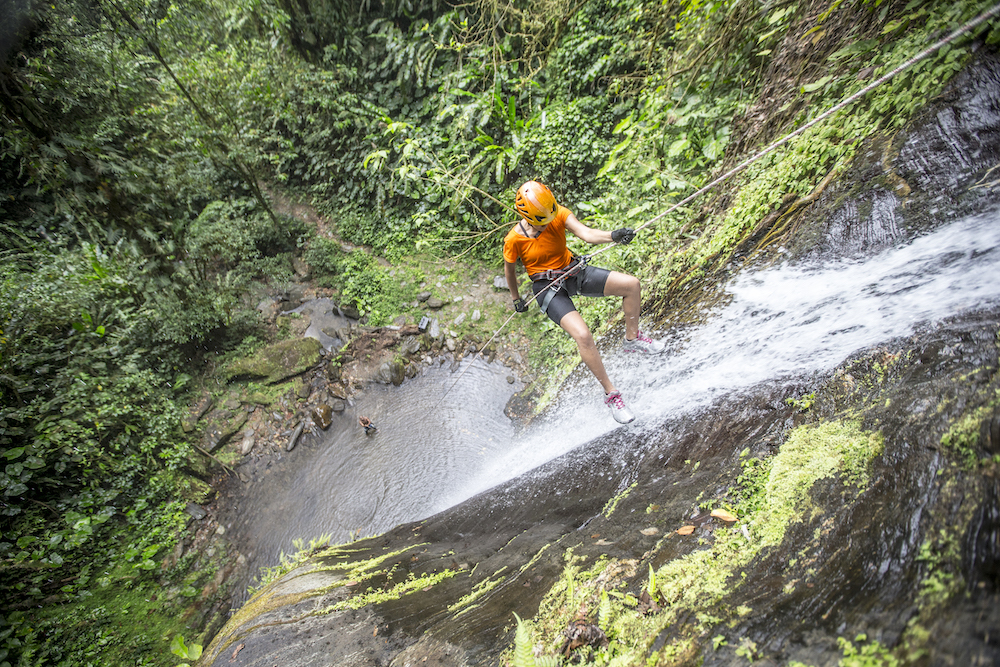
(790,320)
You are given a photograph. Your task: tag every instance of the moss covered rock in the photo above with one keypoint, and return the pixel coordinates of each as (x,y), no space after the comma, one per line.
(220,425)
(277,362)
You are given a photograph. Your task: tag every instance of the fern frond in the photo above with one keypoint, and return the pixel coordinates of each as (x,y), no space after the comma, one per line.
(605,612)
(523,655)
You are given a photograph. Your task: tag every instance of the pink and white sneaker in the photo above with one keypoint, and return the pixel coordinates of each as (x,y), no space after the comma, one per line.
(621,414)
(645,344)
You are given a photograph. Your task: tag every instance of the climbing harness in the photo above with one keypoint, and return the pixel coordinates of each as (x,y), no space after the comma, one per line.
(558,280)
(558,277)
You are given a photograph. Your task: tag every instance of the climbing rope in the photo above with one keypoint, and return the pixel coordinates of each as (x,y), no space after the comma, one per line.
(557,282)
(478,352)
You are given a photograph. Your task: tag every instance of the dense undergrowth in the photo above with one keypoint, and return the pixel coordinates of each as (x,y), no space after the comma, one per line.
(136,236)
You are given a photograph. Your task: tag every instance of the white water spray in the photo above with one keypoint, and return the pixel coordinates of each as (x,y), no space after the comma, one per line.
(789,320)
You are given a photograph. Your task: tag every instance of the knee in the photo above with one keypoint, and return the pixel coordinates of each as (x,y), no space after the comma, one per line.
(632,286)
(585,340)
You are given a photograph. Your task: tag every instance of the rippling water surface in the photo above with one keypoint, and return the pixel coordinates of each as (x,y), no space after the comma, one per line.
(350,484)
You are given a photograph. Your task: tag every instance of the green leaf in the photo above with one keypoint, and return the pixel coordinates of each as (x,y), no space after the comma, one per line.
(816,85)
(678,147)
(523,654)
(178,647)
(14,453)
(713,149)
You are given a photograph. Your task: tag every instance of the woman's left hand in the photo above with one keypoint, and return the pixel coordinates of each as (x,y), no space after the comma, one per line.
(623,236)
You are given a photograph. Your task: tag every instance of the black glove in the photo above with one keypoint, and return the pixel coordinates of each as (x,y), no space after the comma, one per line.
(623,235)
(520,306)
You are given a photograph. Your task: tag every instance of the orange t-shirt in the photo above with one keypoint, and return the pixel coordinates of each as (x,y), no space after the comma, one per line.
(548,251)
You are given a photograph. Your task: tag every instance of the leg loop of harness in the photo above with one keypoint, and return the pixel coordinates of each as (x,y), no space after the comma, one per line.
(550,292)
(558,280)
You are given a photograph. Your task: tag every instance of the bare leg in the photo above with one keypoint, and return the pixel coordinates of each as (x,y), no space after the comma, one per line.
(574,325)
(628,287)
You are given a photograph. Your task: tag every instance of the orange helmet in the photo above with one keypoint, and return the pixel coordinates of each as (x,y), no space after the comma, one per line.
(535,203)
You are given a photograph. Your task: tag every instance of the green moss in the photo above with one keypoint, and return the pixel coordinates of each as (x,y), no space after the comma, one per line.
(962,437)
(479,590)
(277,362)
(375,596)
(872,654)
(774,494)
(811,454)
(611,505)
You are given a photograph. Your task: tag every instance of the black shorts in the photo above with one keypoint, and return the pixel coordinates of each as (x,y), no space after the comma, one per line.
(590,281)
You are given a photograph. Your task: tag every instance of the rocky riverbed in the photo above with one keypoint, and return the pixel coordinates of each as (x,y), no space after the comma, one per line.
(292,391)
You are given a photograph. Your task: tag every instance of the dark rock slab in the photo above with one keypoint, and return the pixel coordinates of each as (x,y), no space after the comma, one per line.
(220,425)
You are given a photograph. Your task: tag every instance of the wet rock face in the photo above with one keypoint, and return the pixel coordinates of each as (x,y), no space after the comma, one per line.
(852,565)
(981,546)
(902,186)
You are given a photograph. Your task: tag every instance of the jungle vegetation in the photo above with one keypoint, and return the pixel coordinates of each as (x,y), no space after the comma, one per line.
(142,139)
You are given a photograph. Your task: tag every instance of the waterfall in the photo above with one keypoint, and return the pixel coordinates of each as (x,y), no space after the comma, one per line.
(794,319)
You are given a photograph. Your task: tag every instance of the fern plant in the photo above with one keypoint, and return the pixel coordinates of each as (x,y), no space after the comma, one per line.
(524,655)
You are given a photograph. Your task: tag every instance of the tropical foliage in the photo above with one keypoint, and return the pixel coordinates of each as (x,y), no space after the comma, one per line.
(140,139)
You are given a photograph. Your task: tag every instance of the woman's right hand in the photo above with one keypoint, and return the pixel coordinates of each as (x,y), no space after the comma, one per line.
(520,306)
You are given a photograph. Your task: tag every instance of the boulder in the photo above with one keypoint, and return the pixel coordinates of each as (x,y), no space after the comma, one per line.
(295,294)
(220,425)
(323,415)
(303,390)
(339,406)
(392,371)
(269,308)
(435,303)
(277,362)
(260,398)
(196,511)
(200,407)
(246,446)
(410,345)
(302,270)
(294,438)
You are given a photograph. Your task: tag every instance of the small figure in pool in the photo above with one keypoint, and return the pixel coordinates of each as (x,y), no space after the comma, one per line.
(367,425)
